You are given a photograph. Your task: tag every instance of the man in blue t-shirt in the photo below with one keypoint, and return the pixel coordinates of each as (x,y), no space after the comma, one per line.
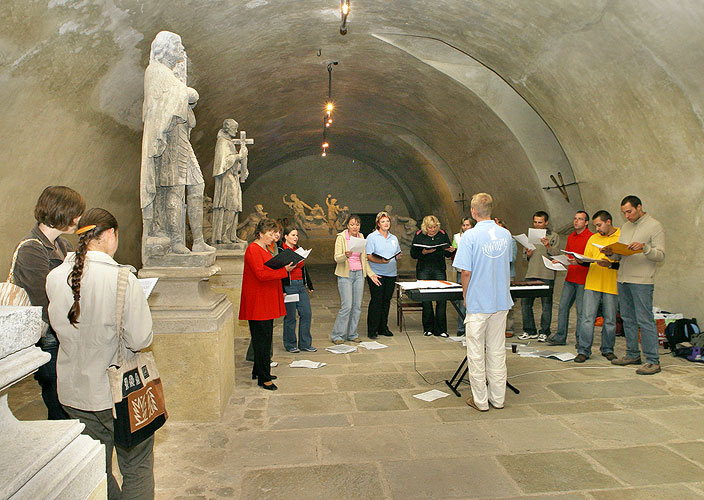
(484,256)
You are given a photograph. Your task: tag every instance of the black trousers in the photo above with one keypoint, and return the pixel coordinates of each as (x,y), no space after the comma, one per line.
(433,321)
(261,332)
(379,304)
(46,376)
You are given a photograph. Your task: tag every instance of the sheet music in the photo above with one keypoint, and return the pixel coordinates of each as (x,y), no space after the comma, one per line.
(148,285)
(357,245)
(291,297)
(426,284)
(303,253)
(535,235)
(523,240)
(555,267)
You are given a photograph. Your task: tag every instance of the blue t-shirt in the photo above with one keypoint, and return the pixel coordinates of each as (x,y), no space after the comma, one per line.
(486,251)
(386,247)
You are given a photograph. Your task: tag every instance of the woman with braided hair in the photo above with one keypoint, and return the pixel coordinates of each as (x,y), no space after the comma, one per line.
(82,295)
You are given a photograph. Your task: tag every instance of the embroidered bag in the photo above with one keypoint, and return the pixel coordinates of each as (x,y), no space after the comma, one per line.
(137,394)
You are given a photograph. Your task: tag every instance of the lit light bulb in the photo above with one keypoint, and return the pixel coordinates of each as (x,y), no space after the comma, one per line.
(324,154)
(329,121)
(327,124)
(345,8)
(325,145)
(329,107)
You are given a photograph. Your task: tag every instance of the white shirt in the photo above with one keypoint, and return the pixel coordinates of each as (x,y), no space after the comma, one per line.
(86,352)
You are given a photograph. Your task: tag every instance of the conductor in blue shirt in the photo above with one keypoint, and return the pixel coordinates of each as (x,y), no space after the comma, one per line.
(483,256)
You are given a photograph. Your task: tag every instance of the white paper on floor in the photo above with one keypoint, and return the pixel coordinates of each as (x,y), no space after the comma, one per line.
(306,363)
(431,395)
(341,349)
(373,345)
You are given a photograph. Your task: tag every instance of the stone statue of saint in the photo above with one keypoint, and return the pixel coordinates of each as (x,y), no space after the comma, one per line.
(169,165)
(229,170)
(247,227)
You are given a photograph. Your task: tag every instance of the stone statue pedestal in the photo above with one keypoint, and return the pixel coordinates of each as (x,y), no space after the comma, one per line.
(229,282)
(176,260)
(193,342)
(40,459)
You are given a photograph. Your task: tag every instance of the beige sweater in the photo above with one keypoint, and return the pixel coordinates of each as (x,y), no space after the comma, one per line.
(640,267)
(343,266)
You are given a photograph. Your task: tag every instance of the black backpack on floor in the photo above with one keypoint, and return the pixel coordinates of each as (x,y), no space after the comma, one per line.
(679,332)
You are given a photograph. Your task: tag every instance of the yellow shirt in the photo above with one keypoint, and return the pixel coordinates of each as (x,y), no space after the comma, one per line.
(599,278)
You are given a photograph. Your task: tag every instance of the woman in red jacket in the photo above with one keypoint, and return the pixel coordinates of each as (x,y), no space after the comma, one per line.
(262,299)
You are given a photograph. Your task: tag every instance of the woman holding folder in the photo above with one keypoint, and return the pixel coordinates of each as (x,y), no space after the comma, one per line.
(294,286)
(352,267)
(430,246)
(262,299)
(382,252)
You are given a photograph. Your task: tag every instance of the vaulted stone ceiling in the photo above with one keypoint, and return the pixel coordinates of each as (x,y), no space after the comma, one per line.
(444,98)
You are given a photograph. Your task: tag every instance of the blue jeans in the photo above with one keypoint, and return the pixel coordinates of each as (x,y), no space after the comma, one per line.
(585,327)
(351,290)
(304,312)
(636,301)
(460,316)
(571,294)
(545,317)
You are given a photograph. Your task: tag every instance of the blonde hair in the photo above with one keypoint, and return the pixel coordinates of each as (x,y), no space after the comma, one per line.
(429,221)
(380,216)
(482,203)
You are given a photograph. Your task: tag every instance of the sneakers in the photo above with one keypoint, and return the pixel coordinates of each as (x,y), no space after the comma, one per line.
(648,369)
(627,361)
(470,402)
(356,340)
(338,341)
(294,350)
(428,334)
(581,358)
(526,336)
(273,364)
(609,355)
(309,349)
(555,342)
(443,335)
(542,338)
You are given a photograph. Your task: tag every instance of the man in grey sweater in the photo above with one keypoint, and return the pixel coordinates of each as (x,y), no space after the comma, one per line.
(538,271)
(635,282)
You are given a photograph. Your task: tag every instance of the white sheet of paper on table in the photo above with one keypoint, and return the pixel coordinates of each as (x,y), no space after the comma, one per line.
(291,297)
(372,345)
(430,395)
(148,285)
(523,240)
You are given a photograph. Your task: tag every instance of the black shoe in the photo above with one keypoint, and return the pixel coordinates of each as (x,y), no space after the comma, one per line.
(273,377)
(443,335)
(610,356)
(386,333)
(581,358)
(271,387)
(373,336)
(554,342)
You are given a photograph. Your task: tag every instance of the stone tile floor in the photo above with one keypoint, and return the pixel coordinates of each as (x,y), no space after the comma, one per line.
(352,429)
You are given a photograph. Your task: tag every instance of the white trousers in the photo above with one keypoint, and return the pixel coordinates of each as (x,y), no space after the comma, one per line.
(487,332)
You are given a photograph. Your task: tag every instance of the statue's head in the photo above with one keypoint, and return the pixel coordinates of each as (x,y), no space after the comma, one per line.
(192,97)
(167,49)
(388,208)
(259,209)
(230,126)
(294,196)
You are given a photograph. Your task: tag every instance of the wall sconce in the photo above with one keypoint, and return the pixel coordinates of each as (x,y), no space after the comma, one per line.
(344,12)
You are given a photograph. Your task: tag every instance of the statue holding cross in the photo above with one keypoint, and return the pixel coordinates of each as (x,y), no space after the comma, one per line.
(229,171)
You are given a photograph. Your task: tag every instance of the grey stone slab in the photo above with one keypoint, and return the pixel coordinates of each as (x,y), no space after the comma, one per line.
(455,439)
(471,477)
(686,423)
(659,403)
(340,482)
(393,418)
(571,407)
(372,381)
(606,389)
(309,404)
(693,451)
(309,421)
(363,444)
(618,428)
(647,465)
(534,434)
(304,384)
(379,401)
(565,496)
(269,448)
(359,368)
(669,492)
(465,413)
(554,471)
(529,393)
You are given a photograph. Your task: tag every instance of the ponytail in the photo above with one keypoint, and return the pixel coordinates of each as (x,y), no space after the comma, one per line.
(92,225)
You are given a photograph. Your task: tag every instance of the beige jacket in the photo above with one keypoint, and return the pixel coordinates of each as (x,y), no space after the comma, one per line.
(343,266)
(640,267)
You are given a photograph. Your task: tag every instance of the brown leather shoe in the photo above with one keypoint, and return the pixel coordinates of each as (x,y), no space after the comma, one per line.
(626,361)
(610,356)
(495,407)
(470,402)
(581,358)
(648,369)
